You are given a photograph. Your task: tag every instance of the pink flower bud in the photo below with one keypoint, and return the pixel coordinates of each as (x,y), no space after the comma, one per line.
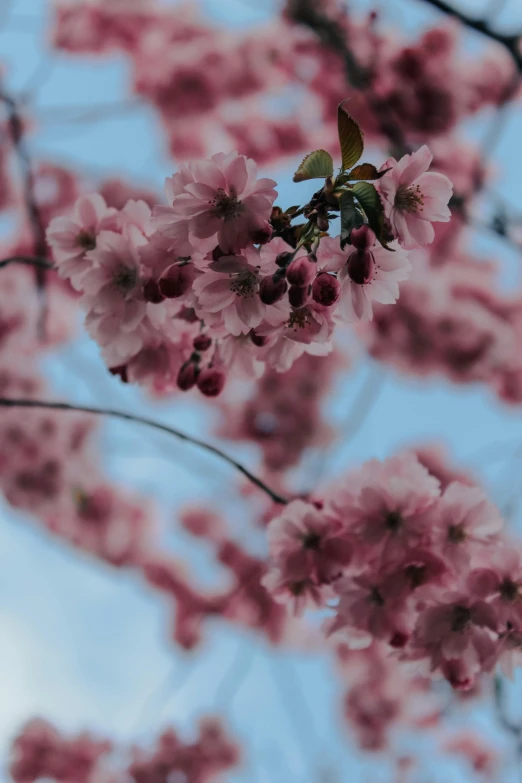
(283,259)
(301,271)
(202,342)
(362,238)
(272,289)
(298,295)
(211,382)
(262,234)
(326,289)
(187,376)
(151,292)
(176,280)
(361,266)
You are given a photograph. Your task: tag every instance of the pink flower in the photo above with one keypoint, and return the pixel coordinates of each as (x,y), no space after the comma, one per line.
(368,612)
(309,541)
(218,201)
(383,505)
(71,238)
(414,199)
(463,522)
(501,582)
(366,276)
(228,291)
(113,295)
(458,638)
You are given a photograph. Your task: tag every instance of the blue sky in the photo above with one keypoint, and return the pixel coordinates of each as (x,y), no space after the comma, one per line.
(89,648)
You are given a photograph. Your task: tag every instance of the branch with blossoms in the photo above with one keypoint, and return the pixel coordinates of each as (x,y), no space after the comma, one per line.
(223,282)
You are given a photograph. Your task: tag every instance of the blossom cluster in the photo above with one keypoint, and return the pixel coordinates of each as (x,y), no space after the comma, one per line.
(41,751)
(426,571)
(197,76)
(220,279)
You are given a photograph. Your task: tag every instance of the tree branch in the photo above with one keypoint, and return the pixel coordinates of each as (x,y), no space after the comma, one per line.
(65,406)
(39,263)
(510,42)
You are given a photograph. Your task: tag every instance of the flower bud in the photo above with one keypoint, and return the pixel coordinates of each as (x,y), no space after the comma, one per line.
(176,280)
(301,271)
(151,292)
(298,295)
(326,289)
(211,382)
(202,342)
(187,376)
(361,266)
(362,238)
(271,290)
(283,259)
(322,223)
(262,234)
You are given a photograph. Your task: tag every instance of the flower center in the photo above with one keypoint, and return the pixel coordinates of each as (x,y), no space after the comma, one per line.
(226,206)
(361,267)
(243,284)
(311,541)
(460,618)
(509,590)
(456,534)
(125,279)
(376,597)
(416,575)
(86,240)
(393,521)
(299,319)
(409,199)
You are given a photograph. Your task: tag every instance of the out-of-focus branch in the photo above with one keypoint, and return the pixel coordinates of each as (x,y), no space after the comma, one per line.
(65,406)
(510,42)
(38,263)
(506,723)
(330,33)
(16,131)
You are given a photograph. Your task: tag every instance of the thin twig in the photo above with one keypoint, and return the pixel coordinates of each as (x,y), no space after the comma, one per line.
(65,406)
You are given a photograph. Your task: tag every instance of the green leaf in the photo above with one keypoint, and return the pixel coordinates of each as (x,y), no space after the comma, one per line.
(348,215)
(318,163)
(371,202)
(350,138)
(366,171)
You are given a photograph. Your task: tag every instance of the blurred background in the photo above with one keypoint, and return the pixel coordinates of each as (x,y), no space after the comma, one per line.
(87,645)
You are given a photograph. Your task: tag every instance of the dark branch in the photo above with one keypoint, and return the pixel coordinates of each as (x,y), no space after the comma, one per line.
(509,42)
(64,406)
(39,263)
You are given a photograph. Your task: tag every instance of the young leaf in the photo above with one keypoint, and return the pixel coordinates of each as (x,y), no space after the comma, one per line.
(348,215)
(371,202)
(350,138)
(318,163)
(366,171)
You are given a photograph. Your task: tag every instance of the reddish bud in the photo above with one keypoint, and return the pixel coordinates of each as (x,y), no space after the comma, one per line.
(322,223)
(202,342)
(361,266)
(258,339)
(298,295)
(211,382)
(326,289)
(272,289)
(262,235)
(283,259)
(187,376)
(176,280)
(301,271)
(151,292)
(362,238)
